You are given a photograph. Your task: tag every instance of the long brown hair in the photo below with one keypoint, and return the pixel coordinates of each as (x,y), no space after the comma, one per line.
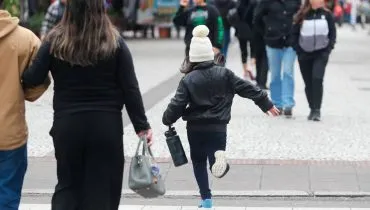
(302,13)
(85,34)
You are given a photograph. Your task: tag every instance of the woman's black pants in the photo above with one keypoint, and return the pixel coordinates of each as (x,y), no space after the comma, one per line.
(243,44)
(262,68)
(261,60)
(90,160)
(313,71)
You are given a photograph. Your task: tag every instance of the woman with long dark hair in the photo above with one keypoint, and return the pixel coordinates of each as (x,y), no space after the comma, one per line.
(93,78)
(314,37)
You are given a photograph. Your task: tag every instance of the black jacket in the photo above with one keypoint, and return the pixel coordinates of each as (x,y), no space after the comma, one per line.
(274,19)
(243,28)
(205,96)
(104,87)
(321,37)
(246,11)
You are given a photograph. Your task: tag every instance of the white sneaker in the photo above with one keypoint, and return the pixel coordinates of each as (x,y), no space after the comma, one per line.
(221,167)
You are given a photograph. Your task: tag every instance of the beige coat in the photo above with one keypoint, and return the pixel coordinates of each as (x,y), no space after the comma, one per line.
(18,47)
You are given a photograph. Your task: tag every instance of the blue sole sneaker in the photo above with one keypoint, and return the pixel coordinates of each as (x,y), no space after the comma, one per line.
(207,204)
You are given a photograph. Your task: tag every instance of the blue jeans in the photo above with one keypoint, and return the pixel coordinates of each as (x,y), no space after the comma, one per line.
(225,47)
(282,85)
(13,166)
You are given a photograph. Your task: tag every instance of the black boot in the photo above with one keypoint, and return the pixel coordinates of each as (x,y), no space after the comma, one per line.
(316,115)
(310,116)
(288,112)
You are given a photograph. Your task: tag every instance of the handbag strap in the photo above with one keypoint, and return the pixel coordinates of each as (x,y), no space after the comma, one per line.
(145,149)
(138,147)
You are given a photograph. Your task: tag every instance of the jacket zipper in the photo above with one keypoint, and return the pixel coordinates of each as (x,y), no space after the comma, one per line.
(314,31)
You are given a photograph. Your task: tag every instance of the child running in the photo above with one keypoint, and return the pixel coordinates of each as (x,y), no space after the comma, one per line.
(204,98)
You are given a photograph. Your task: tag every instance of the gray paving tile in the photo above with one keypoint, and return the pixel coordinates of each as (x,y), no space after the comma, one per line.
(285,178)
(321,208)
(181,178)
(363,174)
(333,178)
(240,177)
(269,208)
(41,174)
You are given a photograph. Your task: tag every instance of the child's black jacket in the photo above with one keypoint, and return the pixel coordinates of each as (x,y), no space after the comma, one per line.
(205,96)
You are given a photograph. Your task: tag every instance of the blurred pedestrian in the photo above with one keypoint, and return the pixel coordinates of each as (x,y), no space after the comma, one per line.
(200,14)
(94,78)
(18,46)
(314,37)
(274,20)
(204,98)
(244,33)
(224,7)
(258,52)
(338,13)
(354,14)
(53,17)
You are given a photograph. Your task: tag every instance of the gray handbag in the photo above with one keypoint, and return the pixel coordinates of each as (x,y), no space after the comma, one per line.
(141,179)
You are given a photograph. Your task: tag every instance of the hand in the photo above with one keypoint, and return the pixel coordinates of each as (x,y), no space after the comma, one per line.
(273,112)
(42,37)
(149,136)
(184,3)
(216,50)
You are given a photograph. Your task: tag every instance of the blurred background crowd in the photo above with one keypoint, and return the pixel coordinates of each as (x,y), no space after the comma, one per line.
(145,17)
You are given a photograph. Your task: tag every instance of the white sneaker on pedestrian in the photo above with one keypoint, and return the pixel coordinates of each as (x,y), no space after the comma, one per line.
(221,167)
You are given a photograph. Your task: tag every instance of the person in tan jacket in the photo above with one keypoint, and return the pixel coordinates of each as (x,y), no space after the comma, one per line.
(18,46)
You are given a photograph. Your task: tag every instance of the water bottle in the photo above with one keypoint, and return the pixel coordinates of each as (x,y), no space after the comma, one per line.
(174,145)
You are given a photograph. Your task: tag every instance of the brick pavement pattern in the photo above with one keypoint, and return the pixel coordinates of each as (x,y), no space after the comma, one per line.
(123,207)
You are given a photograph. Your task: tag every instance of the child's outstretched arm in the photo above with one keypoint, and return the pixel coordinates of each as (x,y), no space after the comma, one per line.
(246,89)
(177,105)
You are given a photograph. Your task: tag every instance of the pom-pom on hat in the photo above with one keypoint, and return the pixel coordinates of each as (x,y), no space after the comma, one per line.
(201,47)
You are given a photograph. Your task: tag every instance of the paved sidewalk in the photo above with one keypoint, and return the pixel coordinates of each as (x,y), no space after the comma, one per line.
(343,134)
(270,157)
(123,207)
(300,179)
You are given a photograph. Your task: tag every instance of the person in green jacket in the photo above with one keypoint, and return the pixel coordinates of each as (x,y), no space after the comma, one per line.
(200,14)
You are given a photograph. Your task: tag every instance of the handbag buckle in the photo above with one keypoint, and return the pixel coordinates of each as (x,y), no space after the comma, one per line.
(139,160)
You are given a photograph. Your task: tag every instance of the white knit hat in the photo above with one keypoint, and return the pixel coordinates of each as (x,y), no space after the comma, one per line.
(201,47)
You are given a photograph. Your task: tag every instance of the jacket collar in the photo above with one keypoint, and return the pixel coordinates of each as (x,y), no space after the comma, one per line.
(204,65)
(318,10)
